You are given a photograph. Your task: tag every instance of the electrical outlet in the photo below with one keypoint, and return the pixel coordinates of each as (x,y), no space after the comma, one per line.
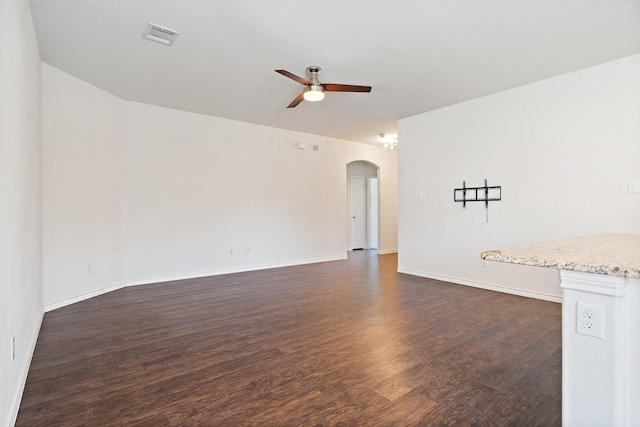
(590,320)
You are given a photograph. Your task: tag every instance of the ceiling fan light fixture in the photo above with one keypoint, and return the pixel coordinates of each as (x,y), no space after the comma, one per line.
(314,93)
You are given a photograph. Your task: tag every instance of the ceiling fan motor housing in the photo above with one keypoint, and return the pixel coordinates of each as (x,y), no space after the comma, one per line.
(313,72)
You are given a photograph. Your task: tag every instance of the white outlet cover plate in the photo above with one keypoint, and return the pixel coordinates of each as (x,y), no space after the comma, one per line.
(590,320)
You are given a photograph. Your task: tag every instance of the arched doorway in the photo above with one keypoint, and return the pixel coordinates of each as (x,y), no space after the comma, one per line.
(362,205)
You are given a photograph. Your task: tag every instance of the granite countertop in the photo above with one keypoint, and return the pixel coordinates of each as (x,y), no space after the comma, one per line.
(610,254)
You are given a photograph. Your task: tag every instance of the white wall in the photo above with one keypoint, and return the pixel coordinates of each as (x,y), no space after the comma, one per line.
(562,149)
(198,186)
(20,208)
(83,189)
(139,193)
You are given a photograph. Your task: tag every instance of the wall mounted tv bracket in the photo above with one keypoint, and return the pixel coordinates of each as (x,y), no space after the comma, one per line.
(484,194)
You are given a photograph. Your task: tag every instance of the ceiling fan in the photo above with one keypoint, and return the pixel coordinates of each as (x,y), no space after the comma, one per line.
(314,90)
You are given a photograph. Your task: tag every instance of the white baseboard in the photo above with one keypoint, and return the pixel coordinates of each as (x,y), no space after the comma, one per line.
(488,286)
(161,279)
(231,271)
(387,251)
(17,399)
(84,296)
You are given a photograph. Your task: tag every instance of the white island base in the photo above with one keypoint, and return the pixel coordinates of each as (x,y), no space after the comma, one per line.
(600,280)
(600,372)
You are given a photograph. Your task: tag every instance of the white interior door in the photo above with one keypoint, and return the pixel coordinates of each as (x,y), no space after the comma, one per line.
(373,213)
(358,219)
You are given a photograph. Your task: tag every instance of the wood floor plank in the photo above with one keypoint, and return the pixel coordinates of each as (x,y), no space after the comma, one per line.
(339,343)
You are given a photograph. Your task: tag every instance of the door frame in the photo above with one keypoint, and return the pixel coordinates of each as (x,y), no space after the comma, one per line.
(373,212)
(358,168)
(364,196)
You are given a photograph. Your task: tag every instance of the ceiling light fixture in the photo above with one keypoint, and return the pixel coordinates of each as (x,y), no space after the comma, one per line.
(390,141)
(314,93)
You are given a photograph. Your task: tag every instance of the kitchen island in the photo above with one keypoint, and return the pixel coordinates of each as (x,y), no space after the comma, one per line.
(600,281)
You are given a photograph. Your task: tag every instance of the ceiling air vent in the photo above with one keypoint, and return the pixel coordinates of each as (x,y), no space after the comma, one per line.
(160,34)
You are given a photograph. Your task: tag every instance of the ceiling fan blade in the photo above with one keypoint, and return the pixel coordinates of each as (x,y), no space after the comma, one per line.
(296,101)
(332,87)
(294,77)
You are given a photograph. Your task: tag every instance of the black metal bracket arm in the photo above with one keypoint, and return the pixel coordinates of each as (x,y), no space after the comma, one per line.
(484,194)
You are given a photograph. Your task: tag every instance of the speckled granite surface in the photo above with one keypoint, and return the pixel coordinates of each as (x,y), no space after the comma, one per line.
(611,254)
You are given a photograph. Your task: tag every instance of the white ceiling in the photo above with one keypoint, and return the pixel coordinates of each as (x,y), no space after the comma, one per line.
(419,55)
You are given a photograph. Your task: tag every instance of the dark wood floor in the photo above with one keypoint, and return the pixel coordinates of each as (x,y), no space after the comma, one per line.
(347,343)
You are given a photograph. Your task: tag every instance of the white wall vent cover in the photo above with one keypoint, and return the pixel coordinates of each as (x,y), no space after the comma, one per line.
(160,34)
